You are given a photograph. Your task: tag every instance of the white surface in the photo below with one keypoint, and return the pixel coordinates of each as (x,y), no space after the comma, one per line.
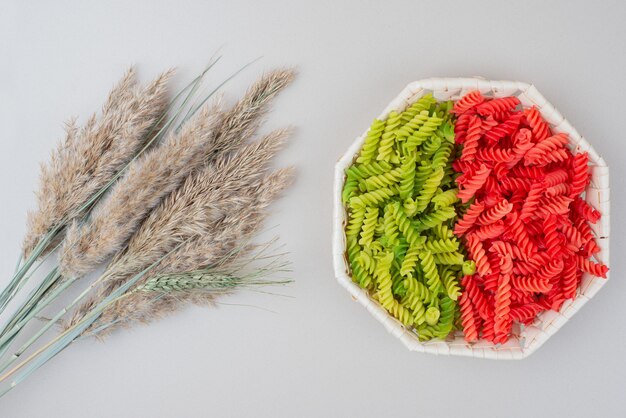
(547,323)
(321,354)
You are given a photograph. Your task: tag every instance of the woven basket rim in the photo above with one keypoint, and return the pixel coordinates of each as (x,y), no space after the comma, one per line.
(597,194)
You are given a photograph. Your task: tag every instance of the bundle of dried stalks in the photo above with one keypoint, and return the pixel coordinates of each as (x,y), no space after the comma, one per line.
(175,224)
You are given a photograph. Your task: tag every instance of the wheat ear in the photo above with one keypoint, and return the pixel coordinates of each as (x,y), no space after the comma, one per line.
(163,293)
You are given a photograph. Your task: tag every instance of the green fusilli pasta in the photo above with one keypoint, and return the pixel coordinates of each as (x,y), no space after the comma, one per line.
(370,146)
(400,196)
(361,171)
(407,176)
(387,142)
(430,271)
(369,225)
(381,180)
(429,189)
(443,199)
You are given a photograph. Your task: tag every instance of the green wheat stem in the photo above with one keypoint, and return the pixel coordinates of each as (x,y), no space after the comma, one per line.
(60,342)
(34,295)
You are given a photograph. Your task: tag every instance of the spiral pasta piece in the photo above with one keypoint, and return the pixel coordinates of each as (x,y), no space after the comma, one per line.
(446,320)
(584,210)
(570,278)
(410,261)
(431,275)
(405,226)
(370,146)
(444,199)
(429,189)
(443,245)
(361,171)
(553,240)
(450,283)
(369,225)
(598,270)
(420,106)
(373,198)
(473,183)
(490,231)
(475,248)
(504,129)
(355,222)
(367,261)
(407,176)
(545,147)
(431,146)
(502,309)
(349,188)
(468,101)
(557,205)
(401,313)
(520,236)
(449,258)
(470,330)
(532,201)
(497,105)
(359,275)
(580,174)
(472,138)
(441,157)
(434,218)
(495,213)
(382,273)
(477,297)
(469,219)
(412,125)
(381,180)
(418,290)
(540,128)
(423,133)
(441,231)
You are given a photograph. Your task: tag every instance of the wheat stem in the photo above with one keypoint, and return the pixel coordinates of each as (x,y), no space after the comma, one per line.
(65,338)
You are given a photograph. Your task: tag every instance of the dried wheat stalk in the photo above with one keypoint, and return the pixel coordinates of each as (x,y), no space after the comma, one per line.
(148,180)
(238,226)
(227,187)
(146,184)
(89,157)
(181,210)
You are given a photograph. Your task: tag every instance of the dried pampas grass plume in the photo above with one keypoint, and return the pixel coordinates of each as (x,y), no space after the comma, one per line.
(148,180)
(211,213)
(239,226)
(89,157)
(243,119)
(204,199)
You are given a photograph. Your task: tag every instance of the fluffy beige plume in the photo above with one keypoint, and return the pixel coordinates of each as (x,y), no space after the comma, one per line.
(204,199)
(89,157)
(243,119)
(162,171)
(148,180)
(216,209)
(237,227)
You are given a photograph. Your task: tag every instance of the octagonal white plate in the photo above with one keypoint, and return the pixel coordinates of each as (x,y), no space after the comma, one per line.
(597,195)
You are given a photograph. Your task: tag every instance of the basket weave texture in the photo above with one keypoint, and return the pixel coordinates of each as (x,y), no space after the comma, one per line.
(529,338)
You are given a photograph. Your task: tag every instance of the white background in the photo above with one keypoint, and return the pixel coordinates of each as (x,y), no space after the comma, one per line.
(318,353)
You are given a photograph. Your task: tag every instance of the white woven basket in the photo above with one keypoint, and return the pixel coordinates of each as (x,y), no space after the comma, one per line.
(597,194)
